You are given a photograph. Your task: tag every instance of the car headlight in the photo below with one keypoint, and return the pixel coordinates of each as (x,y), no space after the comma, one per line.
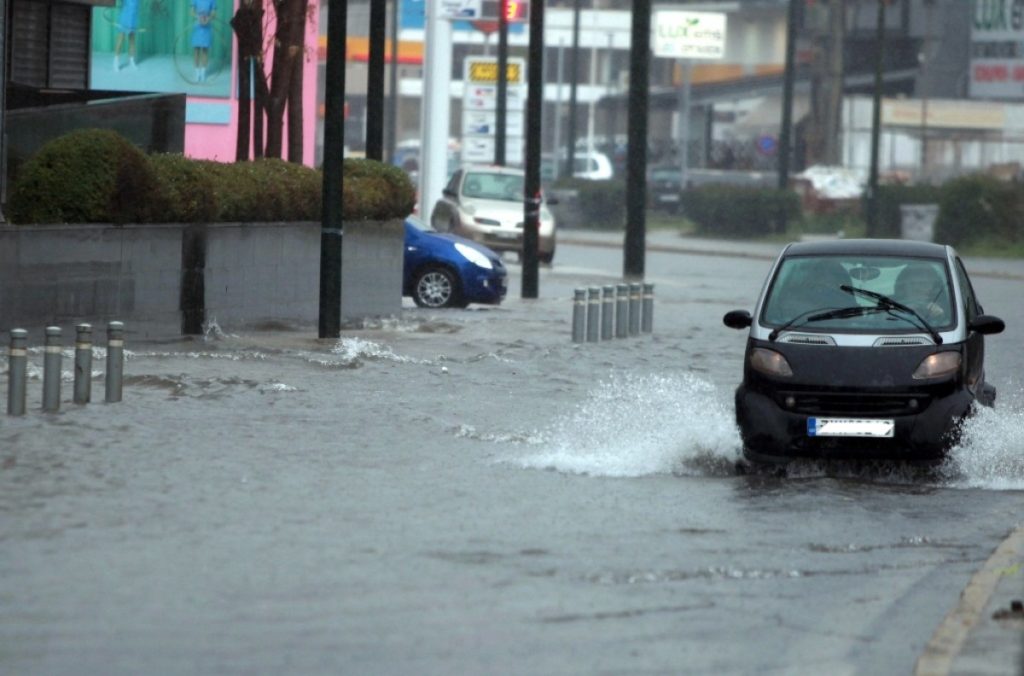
(473,256)
(937,365)
(769,362)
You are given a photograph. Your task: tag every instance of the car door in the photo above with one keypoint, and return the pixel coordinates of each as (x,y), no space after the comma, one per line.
(445,216)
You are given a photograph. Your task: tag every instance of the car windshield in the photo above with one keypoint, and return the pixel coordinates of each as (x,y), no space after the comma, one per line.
(493,186)
(667,174)
(805,285)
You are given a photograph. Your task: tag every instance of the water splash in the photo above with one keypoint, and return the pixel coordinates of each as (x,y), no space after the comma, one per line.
(640,425)
(991,452)
(357,350)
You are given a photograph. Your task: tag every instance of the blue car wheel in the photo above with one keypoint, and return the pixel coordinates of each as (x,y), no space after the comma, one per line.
(437,287)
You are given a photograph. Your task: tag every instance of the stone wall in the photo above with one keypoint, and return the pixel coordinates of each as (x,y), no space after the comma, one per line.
(163,280)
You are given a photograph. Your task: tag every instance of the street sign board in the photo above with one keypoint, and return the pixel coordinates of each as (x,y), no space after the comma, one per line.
(461,9)
(480,106)
(688,35)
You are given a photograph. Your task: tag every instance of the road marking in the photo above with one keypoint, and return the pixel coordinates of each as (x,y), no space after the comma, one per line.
(948,639)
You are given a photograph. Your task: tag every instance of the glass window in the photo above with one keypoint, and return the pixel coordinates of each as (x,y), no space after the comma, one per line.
(970,300)
(492,186)
(806,285)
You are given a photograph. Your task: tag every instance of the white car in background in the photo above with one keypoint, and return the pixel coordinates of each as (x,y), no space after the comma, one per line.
(485,204)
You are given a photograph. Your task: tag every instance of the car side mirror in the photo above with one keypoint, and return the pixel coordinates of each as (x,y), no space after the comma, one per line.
(738,319)
(448,192)
(987,325)
(551,201)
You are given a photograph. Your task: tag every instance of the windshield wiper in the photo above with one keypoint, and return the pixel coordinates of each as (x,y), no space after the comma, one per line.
(883,302)
(838,313)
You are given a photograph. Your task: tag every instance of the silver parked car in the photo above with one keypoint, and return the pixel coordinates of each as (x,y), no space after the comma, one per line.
(485,204)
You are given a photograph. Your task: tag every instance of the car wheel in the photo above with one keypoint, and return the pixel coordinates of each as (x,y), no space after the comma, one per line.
(437,287)
(547,257)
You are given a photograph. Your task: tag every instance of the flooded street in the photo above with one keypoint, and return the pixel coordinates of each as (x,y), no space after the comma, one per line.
(470,492)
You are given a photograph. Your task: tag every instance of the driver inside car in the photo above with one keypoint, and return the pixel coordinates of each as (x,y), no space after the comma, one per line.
(919,287)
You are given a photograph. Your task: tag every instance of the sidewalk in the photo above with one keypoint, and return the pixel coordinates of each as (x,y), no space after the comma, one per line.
(671,241)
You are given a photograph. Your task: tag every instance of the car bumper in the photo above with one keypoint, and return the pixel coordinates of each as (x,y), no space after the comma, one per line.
(508,240)
(772,434)
(486,287)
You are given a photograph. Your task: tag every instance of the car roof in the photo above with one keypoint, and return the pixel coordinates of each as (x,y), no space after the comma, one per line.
(867,247)
(492,169)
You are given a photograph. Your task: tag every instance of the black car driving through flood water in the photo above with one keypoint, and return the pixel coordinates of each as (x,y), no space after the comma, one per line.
(862,349)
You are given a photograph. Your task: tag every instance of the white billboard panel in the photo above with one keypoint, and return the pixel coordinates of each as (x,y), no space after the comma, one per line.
(997,50)
(688,35)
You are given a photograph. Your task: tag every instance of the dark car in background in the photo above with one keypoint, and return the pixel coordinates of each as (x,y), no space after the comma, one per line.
(444,270)
(665,188)
(862,349)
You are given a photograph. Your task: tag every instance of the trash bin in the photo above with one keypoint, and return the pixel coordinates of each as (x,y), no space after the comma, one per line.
(917,221)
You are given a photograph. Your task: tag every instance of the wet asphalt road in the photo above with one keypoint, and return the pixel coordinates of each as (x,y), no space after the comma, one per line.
(469,492)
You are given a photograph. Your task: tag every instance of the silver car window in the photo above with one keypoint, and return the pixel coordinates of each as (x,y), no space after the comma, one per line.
(492,186)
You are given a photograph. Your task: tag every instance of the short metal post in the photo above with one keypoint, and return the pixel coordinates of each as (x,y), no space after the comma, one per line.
(579,308)
(16,372)
(635,290)
(83,364)
(115,361)
(622,311)
(607,313)
(593,314)
(647,324)
(51,369)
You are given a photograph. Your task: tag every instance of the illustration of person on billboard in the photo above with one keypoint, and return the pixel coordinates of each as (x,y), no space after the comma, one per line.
(127,24)
(203,12)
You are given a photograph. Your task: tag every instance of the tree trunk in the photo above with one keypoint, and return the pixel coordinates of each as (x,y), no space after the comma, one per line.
(248,26)
(288,48)
(295,112)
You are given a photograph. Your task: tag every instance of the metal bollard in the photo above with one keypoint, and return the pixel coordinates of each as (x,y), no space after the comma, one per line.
(647,324)
(51,369)
(16,372)
(607,312)
(115,361)
(83,364)
(634,308)
(622,311)
(593,314)
(579,302)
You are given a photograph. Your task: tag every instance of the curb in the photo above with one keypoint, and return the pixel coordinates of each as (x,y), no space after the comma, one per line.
(949,638)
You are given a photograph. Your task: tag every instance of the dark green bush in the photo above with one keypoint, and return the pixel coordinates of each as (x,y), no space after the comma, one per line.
(602,204)
(87,176)
(736,211)
(190,196)
(979,208)
(373,190)
(891,197)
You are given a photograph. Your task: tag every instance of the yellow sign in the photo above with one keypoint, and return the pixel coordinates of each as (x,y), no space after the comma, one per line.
(487,71)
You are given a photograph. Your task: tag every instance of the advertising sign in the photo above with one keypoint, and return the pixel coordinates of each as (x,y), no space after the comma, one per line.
(163,47)
(688,35)
(480,104)
(997,50)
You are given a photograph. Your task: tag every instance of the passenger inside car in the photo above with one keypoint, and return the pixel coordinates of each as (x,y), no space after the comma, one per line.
(815,285)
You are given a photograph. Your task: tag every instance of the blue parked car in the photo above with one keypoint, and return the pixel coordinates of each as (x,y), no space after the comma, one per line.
(443,270)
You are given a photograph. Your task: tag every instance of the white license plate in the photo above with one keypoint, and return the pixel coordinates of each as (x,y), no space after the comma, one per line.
(850,427)
(504,235)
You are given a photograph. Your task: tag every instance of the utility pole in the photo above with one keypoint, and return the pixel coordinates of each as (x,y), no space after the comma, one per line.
(392,122)
(574,71)
(501,113)
(534,106)
(876,125)
(375,81)
(334,148)
(636,160)
(785,134)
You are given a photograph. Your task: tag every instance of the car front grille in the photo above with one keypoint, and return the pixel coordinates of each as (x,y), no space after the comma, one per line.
(859,404)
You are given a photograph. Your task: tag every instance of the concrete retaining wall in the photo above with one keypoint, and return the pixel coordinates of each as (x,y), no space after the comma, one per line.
(163,280)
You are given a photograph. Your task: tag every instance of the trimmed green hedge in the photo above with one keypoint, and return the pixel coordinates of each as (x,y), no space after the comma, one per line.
(980,208)
(736,211)
(96,176)
(88,176)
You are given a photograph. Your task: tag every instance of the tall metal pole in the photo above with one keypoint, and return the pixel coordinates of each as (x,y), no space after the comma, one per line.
(876,126)
(334,148)
(375,81)
(392,111)
(500,114)
(534,107)
(785,133)
(3,108)
(636,161)
(574,72)
(435,124)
